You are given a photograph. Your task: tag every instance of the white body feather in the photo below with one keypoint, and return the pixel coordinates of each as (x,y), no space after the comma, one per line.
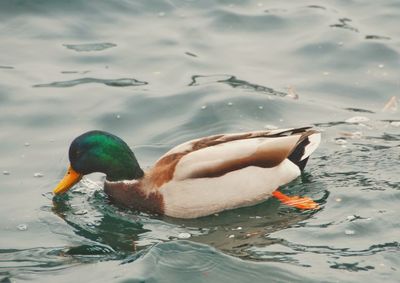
(193,198)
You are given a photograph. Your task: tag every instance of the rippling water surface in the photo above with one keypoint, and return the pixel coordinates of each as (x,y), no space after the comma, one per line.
(158,73)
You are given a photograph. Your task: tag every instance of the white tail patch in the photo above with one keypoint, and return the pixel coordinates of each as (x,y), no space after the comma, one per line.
(314,140)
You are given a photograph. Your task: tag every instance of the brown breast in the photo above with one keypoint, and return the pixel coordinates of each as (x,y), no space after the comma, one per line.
(131,194)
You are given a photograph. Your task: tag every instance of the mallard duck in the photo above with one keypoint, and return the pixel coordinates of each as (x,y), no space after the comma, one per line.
(200,177)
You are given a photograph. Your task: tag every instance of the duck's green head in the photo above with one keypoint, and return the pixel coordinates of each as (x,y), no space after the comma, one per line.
(98,151)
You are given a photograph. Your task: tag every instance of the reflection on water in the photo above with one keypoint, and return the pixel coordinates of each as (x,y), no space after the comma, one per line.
(234,232)
(180,70)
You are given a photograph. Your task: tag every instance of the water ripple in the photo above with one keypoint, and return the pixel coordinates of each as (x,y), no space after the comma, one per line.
(325,250)
(353,109)
(351,266)
(184,261)
(378,37)
(234,82)
(90,46)
(344,23)
(33,260)
(16,262)
(258,48)
(123,82)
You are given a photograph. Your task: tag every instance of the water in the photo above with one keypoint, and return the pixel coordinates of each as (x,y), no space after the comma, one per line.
(158,73)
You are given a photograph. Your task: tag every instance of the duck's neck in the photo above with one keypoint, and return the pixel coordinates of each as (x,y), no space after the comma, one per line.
(123,168)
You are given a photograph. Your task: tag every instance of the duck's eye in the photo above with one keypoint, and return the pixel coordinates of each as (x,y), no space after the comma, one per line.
(76,154)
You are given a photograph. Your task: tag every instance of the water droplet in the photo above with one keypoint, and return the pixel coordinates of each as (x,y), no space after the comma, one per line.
(184,235)
(356,135)
(338,199)
(292,93)
(357,119)
(22,227)
(38,175)
(340,43)
(48,195)
(261,107)
(6,173)
(203,107)
(381,66)
(81,212)
(230,103)
(252,234)
(349,232)
(340,141)
(326,73)
(118,116)
(255,217)
(161,14)
(270,127)
(80,190)
(391,105)
(27,144)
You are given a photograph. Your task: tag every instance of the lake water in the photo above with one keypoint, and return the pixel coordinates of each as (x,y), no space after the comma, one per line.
(157,73)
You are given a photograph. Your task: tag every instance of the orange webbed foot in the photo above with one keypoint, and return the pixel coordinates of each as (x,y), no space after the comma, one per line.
(296,201)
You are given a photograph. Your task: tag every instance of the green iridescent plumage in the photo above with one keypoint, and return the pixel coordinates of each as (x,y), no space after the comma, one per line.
(98,151)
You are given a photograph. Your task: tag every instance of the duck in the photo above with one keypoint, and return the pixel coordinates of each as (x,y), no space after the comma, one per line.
(200,177)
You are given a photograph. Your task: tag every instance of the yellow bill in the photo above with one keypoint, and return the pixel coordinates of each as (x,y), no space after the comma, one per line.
(70,179)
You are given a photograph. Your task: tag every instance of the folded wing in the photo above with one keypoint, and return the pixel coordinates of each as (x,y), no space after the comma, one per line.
(218,155)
